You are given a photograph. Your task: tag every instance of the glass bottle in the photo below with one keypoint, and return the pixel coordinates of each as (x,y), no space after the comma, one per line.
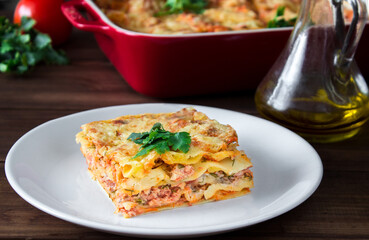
(315,87)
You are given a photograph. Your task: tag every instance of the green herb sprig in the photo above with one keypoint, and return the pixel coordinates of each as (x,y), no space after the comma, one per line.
(161,140)
(180,6)
(22,47)
(279,21)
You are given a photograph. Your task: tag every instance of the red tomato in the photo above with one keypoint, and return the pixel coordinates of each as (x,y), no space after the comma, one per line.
(49,18)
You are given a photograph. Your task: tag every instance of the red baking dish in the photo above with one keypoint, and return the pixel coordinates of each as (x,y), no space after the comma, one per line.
(191,64)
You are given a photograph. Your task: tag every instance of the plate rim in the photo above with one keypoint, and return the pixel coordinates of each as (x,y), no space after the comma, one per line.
(157,232)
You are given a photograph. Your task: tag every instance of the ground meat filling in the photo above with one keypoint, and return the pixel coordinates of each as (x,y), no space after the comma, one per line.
(166,195)
(108,184)
(180,172)
(222,177)
(161,196)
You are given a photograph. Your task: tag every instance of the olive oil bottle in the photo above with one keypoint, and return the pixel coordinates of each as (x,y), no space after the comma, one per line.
(315,87)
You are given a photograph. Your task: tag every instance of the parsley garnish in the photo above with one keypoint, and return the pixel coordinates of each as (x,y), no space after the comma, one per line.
(22,47)
(180,6)
(279,21)
(214,175)
(161,141)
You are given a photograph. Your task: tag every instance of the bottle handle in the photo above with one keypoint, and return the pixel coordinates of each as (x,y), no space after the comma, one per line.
(353,35)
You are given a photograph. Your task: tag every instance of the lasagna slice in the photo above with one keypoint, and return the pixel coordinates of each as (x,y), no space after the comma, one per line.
(209,169)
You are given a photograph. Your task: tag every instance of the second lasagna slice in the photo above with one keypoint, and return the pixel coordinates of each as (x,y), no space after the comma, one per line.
(199,162)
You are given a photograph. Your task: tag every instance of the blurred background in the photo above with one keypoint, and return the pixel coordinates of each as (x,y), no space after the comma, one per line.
(8,4)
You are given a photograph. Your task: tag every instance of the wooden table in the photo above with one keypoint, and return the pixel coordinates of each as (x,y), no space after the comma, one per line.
(339,209)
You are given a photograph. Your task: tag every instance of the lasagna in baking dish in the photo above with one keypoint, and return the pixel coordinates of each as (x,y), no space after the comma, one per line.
(197,16)
(151,162)
(152,16)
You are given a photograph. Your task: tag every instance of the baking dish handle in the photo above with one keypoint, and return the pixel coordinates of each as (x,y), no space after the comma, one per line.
(72,10)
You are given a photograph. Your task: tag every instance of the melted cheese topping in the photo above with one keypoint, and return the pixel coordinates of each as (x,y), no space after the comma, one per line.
(209,139)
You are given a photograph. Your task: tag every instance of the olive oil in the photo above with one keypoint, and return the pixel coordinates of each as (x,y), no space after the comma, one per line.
(327,123)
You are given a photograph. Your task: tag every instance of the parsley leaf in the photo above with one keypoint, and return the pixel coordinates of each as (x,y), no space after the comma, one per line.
(160,140)
(22,47)
(138,137)
(180,6)
(180,141)
(279,21)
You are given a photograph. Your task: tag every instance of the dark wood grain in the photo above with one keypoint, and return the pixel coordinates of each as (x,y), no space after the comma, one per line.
(339,209)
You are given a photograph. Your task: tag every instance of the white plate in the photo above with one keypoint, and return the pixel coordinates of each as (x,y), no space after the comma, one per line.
(46,168)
